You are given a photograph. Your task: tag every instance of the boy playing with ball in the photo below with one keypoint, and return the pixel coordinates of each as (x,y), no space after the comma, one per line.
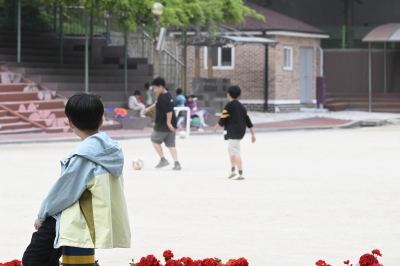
(85,208)
(235,119)
(165,125)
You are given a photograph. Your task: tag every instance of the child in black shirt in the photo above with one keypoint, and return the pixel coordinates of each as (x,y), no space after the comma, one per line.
(235,119)
(165,124)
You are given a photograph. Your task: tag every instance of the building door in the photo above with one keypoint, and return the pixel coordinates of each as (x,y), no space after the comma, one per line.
(306,75)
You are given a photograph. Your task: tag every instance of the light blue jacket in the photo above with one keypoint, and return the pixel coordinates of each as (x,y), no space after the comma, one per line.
(88,198)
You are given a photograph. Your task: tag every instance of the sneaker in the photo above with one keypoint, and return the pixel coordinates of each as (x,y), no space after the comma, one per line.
(163,162)
(177,166)
(238,177)
(232,174)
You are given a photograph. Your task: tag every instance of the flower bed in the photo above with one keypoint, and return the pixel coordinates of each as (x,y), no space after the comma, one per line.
(151,260)
(365,260)
(12,263)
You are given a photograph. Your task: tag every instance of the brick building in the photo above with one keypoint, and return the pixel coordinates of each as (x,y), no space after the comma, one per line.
(286,78)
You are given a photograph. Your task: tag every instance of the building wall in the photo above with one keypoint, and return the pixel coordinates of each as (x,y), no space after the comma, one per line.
(346,71)
(285,84)
(248,72)
(249,67)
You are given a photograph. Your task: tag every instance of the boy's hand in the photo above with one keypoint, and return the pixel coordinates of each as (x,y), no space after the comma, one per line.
(145,110)
(216,128)
(171,127)
(37,224)
(253,138)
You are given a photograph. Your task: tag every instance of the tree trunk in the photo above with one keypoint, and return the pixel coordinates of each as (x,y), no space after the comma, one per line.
(349,22)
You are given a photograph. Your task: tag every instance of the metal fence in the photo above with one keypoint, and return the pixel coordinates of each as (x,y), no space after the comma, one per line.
(349,37)
(72,21)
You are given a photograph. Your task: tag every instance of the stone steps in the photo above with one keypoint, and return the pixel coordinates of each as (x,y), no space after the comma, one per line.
(142,70)
(381,102)
(92,79)
(12,87)
(27,96)
(21,131)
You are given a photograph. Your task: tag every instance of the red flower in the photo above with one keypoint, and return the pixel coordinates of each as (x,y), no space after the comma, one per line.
(197,263)
(173,263)
(210,262)
(186,261)
(150,260)
(322,263)
(238,262)
(168,254)
(367,260)
(12,263)
(376,252)
(347,262)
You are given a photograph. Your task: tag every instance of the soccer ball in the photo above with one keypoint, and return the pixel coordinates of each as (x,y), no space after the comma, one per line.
(182,134)
(138,165)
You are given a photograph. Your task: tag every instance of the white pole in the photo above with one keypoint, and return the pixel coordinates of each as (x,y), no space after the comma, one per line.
(369,78)
(321,62)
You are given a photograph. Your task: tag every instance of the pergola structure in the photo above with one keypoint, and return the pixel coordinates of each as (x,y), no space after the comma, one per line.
(384,33)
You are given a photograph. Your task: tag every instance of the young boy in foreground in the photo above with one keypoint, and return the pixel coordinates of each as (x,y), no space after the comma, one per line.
(235,119)
(85,208)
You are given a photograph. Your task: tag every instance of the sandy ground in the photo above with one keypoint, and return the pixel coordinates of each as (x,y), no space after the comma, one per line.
(308,195)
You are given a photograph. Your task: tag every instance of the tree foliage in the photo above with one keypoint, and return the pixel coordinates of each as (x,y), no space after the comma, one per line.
(179,13)
(34,15)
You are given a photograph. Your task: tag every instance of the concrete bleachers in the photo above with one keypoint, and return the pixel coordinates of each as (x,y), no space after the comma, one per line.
(42,108)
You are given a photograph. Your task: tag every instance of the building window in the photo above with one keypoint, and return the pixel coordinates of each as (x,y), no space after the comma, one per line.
(288,58)
(223,57)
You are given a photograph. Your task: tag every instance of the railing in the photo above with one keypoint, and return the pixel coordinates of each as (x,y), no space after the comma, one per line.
(74,22)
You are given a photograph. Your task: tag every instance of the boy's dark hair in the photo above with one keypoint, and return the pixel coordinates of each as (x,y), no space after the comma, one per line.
(147,85)
(158,82)
(85,111)
(179,91)
(137,93)
(234,91)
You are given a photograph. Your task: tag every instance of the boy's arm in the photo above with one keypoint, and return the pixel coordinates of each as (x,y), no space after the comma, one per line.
(169,119)
(250,126)
(67,189)
(145,110)
(222,120)
(253,135)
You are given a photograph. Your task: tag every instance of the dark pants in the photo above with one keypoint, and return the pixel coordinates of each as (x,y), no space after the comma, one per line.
(40,251)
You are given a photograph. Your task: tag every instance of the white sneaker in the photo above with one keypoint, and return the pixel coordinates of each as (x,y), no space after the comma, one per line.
(238,177)
(232,175)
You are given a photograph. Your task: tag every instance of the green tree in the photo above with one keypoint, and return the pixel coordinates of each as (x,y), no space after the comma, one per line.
(179,13)
(35,16)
